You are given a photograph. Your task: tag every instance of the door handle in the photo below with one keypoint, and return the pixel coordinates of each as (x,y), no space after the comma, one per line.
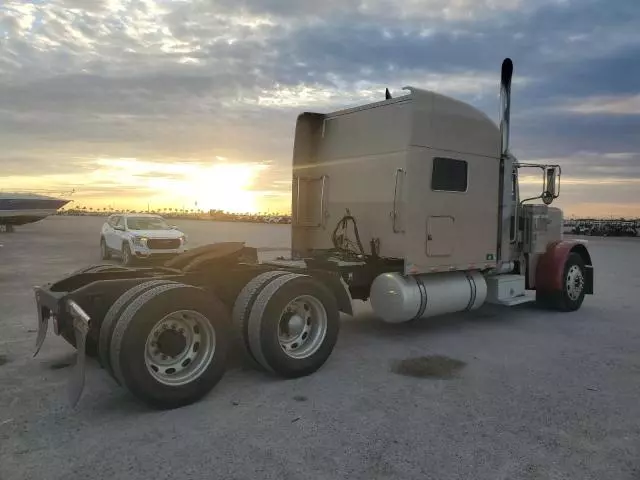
(394,213)
(429,237)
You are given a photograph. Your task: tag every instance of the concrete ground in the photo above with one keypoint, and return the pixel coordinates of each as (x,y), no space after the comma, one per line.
(542,396)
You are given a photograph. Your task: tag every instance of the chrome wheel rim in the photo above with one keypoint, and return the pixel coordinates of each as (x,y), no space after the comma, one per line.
(575,282)
(180,347)
(302,327)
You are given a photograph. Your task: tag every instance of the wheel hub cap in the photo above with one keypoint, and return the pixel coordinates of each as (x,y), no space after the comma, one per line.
(295,325)
(575,282)
(180,347)
(171,343)
(303,327)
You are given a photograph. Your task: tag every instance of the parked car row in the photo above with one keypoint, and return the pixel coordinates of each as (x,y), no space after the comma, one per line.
(605,228)
(139,236)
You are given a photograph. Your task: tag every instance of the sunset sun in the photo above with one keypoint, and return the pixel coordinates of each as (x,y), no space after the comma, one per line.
(221,187)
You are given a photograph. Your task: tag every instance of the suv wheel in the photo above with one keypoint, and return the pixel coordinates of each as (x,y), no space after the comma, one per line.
(127,256)
(104,251)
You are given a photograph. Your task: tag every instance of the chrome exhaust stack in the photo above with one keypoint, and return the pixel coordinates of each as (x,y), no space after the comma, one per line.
(505,206)
(505,104)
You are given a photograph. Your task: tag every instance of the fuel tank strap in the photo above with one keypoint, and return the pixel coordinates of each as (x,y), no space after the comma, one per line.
(423,297)
(474,290)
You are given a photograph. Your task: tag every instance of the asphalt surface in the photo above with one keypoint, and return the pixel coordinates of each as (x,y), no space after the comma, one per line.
(541,395)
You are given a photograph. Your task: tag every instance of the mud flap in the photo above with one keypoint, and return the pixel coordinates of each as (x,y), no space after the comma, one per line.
(43,326)
(81,324)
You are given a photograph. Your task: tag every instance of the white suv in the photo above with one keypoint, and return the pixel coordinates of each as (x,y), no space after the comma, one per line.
(140,235)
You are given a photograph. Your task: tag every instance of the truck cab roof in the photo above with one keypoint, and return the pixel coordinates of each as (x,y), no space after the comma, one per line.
(425,118)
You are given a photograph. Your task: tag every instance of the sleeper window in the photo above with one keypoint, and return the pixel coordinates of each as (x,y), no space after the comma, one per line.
(449,175)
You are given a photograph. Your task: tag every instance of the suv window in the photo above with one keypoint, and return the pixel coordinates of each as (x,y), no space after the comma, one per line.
(118,222)
(146,223)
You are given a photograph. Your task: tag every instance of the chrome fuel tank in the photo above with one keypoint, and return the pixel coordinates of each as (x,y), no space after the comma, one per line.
(397,298)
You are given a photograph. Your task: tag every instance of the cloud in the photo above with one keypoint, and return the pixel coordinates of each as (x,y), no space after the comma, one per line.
(295,10)
(38,161)
(181,82)
(608,105)
(588,177)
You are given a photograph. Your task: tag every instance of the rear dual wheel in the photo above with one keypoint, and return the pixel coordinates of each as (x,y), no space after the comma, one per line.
(291,325)
(113,315)
(242,310)
(167,343)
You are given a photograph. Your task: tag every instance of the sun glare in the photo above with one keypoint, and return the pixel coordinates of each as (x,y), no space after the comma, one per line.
(130,183)
(222,187)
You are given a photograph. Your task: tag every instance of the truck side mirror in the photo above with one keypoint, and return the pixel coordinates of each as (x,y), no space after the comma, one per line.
(551,189)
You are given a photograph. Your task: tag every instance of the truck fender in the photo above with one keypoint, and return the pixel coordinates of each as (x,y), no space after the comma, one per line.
(337,286)
(550,268)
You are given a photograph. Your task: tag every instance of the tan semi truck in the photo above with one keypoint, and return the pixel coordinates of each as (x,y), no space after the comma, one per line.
(431,182)
(412,203)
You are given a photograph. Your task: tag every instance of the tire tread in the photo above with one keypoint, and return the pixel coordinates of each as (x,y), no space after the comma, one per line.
(242,310)
(126,318)
(267,349)
(127,344)
(257,313)
(111,318)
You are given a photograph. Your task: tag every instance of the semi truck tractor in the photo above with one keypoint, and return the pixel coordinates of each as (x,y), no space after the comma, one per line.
(411,203)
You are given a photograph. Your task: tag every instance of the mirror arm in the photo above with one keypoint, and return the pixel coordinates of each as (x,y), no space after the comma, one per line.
(545,169)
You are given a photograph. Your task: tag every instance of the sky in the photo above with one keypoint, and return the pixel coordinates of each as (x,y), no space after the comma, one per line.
(192,103)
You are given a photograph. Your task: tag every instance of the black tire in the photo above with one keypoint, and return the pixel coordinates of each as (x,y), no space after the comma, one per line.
(265,319)
(562,300)
(242,310)
(128,342)
(544,300)
(112,316)
(565,302)
(104,250)
(127,256)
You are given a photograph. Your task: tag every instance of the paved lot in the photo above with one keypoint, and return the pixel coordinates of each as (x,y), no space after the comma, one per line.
(542,395)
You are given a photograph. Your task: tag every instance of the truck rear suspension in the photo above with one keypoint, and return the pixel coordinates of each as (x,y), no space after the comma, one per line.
(165,334)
